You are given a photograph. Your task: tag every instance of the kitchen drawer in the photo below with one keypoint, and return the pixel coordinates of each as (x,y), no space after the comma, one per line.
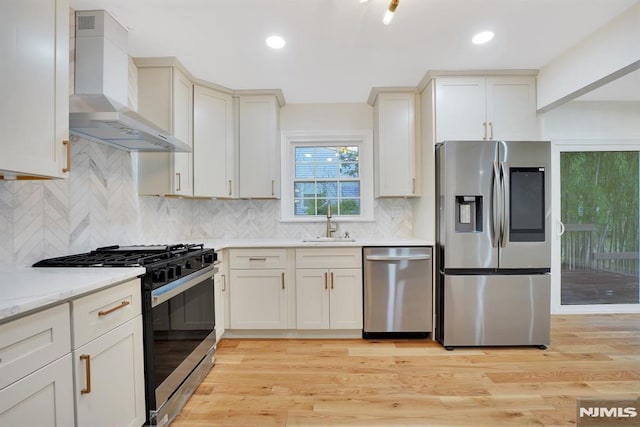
(329,258)
(98,313)
(249,259)
(29,343)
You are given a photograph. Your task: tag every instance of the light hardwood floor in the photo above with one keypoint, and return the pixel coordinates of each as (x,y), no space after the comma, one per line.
(403,382)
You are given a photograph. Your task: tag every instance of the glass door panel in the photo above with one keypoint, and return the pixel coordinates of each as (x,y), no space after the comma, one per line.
(599,207)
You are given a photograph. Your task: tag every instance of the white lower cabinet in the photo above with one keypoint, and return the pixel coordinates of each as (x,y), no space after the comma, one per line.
(329,298)
(329,288)
(108,358)
(36,386)
(258,299)
(220,291)
(43,398)
(258,289)
(109,378)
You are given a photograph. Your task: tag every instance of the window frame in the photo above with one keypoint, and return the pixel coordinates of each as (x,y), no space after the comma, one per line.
(363,139)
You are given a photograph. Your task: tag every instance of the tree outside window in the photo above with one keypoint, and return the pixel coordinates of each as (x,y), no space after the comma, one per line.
(327,175)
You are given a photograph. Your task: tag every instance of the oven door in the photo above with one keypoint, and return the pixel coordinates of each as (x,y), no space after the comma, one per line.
(183,331)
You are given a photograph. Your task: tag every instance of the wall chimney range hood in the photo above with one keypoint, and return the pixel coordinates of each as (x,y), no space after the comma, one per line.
(98,109)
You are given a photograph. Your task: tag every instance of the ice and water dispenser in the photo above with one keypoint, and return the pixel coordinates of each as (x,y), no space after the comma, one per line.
(468,214)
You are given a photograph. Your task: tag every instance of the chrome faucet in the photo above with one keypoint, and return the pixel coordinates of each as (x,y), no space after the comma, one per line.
(331,228)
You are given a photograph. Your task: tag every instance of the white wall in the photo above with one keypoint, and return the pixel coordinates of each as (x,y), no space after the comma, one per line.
(593,120)
(326,117)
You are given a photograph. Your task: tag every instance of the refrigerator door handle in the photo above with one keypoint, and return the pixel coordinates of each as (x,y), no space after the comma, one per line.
(495,208)
(504,223)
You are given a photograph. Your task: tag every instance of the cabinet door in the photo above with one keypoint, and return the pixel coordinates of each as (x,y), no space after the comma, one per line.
(395,145)
(182,129)
(511,108)
(258,299)
(213,144)
(259,147)
(346,298)
(165,96)
(43,399)
(34,83)
(220,286)
(312,298)
(116,375)
(460,108)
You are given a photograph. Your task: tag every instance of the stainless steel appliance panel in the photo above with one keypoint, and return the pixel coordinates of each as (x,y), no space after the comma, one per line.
(527,216)
(466,194)
(487,310)
(398,289)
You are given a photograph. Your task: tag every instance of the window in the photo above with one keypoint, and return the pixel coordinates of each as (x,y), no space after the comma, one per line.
(321,169)
(326,175)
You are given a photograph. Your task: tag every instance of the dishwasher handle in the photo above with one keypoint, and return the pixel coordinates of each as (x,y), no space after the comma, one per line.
(398,257)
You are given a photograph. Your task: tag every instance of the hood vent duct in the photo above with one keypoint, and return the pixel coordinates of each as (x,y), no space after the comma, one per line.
(98,110)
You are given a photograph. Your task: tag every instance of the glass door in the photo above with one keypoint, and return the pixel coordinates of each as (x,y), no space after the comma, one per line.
(599,200)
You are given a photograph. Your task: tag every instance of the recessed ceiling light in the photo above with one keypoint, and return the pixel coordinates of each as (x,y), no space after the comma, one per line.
(482,37)
(275,42)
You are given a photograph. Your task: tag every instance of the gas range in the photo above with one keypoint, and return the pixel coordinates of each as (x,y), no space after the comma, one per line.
(178,317)
(164,263)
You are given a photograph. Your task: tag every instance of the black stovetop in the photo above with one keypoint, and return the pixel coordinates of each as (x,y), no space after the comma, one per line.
(126,256)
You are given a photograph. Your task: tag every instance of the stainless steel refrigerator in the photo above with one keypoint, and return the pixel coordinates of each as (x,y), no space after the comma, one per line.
(493,243)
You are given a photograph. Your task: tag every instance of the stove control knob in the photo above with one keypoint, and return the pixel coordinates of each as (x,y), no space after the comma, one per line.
(178,270)
(160,276)
(187,265)
(208,258)
(171,272)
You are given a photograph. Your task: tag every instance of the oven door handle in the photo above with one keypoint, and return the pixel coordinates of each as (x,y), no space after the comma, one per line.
(170,290)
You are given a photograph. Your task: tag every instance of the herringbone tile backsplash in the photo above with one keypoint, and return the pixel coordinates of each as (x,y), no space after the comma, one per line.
(98,205)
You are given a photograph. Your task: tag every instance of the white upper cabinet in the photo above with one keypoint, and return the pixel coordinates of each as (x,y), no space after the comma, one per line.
(485,108)
(214,149)
(259,138)
(396,154)
(165,96)
(34,76)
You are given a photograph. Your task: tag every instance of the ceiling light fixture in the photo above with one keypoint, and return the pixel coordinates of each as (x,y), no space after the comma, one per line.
(388,15)
(482,37)
(275,42)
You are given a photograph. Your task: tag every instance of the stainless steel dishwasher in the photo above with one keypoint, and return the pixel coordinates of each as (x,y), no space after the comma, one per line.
(398,291)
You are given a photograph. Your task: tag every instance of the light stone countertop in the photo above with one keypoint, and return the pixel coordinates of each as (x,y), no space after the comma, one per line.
(219,244)
(25,290)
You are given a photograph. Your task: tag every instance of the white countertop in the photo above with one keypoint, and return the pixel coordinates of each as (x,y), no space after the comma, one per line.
(219,244)
(23,290)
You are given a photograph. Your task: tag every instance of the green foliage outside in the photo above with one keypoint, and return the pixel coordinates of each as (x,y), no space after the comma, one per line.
(601,188)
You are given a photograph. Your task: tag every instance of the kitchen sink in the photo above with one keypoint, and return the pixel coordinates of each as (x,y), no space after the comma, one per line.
(328,239)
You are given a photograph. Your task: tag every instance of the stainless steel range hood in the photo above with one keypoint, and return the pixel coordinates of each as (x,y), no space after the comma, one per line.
(97,110)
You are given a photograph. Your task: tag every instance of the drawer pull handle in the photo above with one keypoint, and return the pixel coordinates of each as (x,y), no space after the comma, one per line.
(87,367)
(224,283)
(260,258)
(332,280)
(67,144)
(326,281)
(230,187)
(282,275)
(123,304)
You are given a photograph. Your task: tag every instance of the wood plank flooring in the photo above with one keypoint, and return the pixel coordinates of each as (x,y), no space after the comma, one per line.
(418,383)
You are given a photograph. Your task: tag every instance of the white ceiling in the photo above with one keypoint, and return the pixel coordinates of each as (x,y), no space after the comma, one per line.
(337,50)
